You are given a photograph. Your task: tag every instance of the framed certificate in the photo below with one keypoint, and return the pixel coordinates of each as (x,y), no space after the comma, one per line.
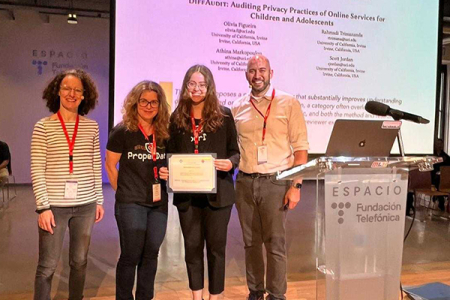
(192,173)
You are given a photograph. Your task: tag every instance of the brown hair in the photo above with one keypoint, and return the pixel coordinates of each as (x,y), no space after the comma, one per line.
(212,114)
(89,91)
(130,115)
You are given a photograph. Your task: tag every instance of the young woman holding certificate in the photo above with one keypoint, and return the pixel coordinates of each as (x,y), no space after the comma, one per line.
(66,172)
(138,144)
(200,125)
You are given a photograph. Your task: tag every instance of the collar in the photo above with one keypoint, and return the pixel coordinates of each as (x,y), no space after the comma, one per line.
(267,96)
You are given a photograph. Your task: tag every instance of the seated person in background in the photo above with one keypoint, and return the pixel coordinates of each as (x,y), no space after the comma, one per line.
(5,158)
(439,152)
(436,173)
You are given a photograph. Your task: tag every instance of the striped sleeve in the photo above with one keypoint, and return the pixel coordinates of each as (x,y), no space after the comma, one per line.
(38,165)
(97,165)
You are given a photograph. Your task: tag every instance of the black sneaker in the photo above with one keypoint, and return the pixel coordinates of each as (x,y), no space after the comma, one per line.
(255,296)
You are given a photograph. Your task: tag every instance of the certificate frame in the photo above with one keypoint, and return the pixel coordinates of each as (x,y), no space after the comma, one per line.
(192,173)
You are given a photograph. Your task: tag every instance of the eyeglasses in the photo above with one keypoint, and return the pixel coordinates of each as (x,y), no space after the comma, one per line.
(67,90)
(145,103)
(201,86)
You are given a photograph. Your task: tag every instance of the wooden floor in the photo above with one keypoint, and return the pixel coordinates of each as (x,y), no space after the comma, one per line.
(235,289)
(426,254)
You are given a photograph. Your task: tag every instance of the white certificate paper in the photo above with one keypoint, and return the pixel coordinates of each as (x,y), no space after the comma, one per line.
(192,173)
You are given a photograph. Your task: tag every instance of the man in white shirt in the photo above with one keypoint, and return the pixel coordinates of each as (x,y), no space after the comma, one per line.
(272,137)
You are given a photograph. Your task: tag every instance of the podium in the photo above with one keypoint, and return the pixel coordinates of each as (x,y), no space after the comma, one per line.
(360,220)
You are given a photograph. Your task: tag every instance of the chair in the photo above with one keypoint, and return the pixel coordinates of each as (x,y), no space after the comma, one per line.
(444,185)
(8,184)
(420,185)
(2,187)
(5,185)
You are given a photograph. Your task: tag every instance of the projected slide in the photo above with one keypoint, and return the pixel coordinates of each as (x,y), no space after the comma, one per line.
(334,56)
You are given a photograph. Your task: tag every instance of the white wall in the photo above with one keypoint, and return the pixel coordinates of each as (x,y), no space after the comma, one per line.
(28,40)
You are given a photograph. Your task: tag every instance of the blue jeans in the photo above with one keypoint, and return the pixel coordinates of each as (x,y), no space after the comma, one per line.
(141,230)
(80,220)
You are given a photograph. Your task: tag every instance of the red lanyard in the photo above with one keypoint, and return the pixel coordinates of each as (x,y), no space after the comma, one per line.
(155,168)
(267,114)
(196,131)
(71,143)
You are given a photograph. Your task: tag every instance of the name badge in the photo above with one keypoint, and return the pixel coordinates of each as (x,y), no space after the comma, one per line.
(156,192)
(71,189)
(262,154)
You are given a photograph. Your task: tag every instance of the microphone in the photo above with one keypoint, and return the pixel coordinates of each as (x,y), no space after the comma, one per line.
(381,109)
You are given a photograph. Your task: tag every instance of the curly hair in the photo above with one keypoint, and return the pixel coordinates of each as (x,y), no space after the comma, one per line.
(130,115)
(212,114)
(89,91)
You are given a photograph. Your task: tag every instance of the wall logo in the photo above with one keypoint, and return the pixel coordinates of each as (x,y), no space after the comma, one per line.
(39,64)
(59,54)
(341,206)
(56,61)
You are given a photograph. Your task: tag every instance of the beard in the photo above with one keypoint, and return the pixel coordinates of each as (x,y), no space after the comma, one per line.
(261,89)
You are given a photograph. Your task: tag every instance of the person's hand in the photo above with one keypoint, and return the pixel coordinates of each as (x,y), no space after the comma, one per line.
(164,173)
(99,213)
(292,197)
(223,164)
(46,221)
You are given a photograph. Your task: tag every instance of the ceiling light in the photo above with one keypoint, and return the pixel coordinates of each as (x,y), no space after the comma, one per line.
(72,19)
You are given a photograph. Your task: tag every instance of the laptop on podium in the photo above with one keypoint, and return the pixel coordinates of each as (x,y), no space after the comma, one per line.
(362,138)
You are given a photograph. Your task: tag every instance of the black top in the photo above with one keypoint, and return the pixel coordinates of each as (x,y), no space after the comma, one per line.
(5,155)
(136,176)
(223,142)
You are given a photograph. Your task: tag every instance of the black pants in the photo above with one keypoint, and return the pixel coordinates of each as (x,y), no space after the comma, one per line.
(409,203)
(201,222)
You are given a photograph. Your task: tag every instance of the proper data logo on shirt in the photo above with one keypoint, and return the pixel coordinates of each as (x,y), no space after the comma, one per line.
(145,156)
(149,147)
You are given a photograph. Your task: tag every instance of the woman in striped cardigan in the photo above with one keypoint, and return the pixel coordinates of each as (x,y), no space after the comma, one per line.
(66,177)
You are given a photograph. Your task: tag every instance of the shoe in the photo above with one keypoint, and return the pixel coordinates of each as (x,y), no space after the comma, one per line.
(271,297)
(256,296)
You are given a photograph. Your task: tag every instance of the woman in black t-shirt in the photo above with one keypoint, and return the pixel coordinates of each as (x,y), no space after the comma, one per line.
(138,144)
(200,125)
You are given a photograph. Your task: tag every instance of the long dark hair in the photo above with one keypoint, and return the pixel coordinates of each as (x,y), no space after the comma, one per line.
(212,114)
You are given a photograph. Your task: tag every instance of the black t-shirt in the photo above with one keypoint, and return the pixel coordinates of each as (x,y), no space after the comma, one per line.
(136,175)
(5,155)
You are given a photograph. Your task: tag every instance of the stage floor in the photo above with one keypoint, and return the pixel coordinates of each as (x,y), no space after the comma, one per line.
(426,256)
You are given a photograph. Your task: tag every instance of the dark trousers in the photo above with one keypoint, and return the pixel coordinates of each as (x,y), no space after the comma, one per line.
(262,216)
(80,220)
(141,231)
(410,203)
(201,222)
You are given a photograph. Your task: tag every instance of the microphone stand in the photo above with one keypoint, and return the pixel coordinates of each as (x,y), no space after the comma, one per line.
(400,143)
(401,147)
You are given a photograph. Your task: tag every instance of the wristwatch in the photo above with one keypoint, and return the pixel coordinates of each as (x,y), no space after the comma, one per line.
(298,185)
